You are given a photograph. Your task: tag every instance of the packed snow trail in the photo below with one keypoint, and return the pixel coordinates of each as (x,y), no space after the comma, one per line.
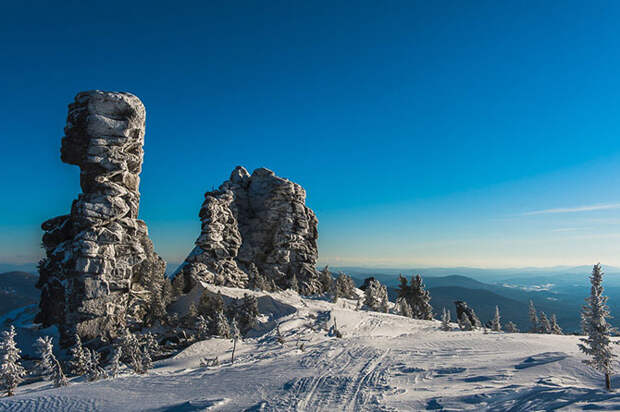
(383,362)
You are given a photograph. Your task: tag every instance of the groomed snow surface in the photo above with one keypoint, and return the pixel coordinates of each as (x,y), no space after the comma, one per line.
(383,362)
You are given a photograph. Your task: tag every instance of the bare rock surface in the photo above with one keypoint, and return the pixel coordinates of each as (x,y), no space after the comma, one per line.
(255,226)
(100,268)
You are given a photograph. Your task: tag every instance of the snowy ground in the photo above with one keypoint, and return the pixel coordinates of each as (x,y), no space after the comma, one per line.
(384,363)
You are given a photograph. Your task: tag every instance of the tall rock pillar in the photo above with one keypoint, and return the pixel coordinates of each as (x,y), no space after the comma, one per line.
(100,269)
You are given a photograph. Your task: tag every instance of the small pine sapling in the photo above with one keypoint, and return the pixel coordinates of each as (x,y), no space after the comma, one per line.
(545,325)
(535,328)
(445,320)
(511,327)
(51,366)
(78,365)
(496,325)
(235,335)
(11,371)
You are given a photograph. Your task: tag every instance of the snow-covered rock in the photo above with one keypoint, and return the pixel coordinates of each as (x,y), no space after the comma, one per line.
(255,224)
(100,267)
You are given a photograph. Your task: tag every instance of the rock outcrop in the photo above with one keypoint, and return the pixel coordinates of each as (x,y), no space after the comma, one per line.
(100,269)
(255,226)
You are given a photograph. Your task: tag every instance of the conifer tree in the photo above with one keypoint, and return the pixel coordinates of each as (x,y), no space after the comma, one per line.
(445,320)
(326,279)
(597,344)
(293,284)
(545,325)
(421,305)
(496,324)
(51,366)
(404,309)
(376,296)
(533,318)
(247,315)
(11,371)
(202,328)
(345,286)
(78,365)
(131,352)
(512,328)
(94,369)
(465,323)
(146,361)
(220,325)
(555,328)
(115,362)
(235,335)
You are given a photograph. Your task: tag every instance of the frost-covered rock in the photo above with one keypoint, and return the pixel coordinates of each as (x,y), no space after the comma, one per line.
(252,224)
(100,267)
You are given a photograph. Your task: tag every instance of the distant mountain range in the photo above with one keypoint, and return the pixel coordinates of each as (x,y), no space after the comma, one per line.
(17,289)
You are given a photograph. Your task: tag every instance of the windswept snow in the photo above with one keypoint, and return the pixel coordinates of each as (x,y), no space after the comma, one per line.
(383,362)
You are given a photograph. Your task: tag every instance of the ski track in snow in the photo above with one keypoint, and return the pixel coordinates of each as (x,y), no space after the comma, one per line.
(383,363)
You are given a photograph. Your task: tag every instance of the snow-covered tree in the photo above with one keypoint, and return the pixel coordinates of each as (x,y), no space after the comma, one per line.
(417,296)
(146,359)
(404,309)
(345,286)
(376,296)
(533,318)
(115,362)
(78,364)
(465,323)
(202,328)
(247,314)
(220,325)
(555,328)
(95,371)
(597,344)
(445,320)
(51,367)
(131,351)
(545,325)
(11,371)
(511,327)
(235,335)
(326,279)
(496,323)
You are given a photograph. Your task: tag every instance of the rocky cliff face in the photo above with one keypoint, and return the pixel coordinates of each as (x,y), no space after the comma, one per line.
(100,268)
(255,226)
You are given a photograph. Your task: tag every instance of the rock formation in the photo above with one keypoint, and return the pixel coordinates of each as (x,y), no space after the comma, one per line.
(255,226)
(100,269)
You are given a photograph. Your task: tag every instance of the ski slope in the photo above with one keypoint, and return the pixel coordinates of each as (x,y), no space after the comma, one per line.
(383,362)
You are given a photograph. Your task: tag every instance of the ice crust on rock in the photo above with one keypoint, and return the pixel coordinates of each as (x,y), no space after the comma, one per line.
(100,267)
(255,224)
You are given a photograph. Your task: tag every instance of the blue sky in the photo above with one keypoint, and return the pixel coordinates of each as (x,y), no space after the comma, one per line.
(425,133)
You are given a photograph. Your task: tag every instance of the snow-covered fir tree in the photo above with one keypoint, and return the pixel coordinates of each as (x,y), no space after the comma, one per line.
(445,320)
(511,327)
(535,328)
(404,309)
(115,362)
(465,323)
(597,344)
(345,286)
(220,325)
(496,322)
(326,279)
(247,313)
(202,328)
(545,325)
(417,296)
(555,328)
(11,371)
(235,335)
(131,351)
(51,367)
(375,296)
(78,364)
(95,371)
(146,359)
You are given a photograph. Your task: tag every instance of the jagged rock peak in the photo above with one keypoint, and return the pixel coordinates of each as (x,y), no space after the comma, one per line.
(255,226)
(100,269)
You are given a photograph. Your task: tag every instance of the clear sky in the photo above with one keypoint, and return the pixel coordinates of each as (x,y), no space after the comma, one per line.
(441,133)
